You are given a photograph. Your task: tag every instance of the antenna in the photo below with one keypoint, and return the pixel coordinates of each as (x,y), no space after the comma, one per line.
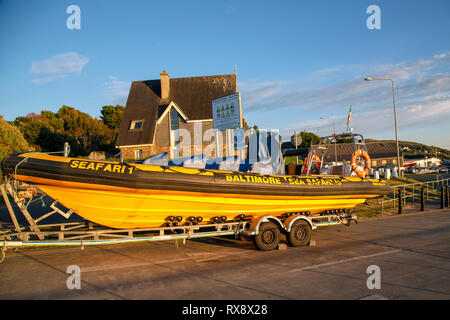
(235,75)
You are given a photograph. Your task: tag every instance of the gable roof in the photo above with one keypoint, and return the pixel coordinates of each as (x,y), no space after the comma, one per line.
(166,109)
(192,96)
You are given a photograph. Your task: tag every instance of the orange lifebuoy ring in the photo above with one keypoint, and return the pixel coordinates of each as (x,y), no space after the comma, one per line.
(358,171)
(315,159)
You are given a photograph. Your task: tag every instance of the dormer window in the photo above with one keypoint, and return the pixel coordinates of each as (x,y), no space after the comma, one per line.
(136,124)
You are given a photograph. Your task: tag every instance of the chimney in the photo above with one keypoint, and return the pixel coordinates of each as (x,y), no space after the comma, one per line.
(165,85)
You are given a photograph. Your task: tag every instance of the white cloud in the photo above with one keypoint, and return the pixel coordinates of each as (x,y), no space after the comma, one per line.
(48,78)
(422,94)
(58,67)
(414,108)
(413,81)
(440,56)
(117,90)
(262,90)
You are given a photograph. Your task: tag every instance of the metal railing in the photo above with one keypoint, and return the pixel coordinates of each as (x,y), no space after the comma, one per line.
(411,194)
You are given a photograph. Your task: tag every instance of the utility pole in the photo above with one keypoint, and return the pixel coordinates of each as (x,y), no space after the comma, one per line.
(400,173)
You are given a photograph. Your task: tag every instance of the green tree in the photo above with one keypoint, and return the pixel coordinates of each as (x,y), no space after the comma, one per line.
(30,127)
(48,131)
(308,139)
(50,141)
(112,115)
(71,119)
(344,140)
(56,123)
(91,133)
(11,139)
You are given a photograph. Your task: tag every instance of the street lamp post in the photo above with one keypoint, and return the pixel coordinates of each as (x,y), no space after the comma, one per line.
(400,173)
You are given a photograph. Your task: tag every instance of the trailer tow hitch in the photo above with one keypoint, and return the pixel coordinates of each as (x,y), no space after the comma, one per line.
(347,221)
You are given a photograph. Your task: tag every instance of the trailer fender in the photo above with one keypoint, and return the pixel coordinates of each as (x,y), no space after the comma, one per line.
(289,222)
(256,222)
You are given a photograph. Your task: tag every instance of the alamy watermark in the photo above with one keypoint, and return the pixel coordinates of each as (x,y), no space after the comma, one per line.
(374,280)
(207,147)
(74,280)
(374,20)
(74,20)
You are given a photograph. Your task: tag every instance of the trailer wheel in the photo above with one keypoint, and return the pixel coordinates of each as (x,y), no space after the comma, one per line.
(300,234)
(268,236)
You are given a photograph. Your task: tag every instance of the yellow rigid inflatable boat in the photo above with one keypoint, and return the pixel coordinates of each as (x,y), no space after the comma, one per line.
(126,196)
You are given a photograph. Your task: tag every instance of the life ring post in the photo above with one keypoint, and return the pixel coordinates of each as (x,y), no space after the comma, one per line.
(361,172)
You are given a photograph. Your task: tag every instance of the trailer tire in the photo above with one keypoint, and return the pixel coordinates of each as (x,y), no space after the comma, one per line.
(268,236)
(300,234)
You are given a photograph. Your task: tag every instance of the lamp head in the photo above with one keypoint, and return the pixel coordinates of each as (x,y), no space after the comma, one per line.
(368,79)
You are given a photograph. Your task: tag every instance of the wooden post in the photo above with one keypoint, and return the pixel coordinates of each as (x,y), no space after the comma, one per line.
(422,199)
(296,146)
(446,196)
(400,205)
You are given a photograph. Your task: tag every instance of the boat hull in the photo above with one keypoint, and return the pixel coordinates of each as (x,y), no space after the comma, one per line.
(139,196)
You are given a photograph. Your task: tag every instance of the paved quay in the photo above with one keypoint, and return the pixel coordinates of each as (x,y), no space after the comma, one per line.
(411,251)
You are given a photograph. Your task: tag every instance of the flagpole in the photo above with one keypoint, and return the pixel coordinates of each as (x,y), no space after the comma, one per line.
(349,117)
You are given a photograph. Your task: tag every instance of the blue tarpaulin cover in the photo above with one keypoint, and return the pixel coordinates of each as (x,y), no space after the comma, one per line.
(264,157)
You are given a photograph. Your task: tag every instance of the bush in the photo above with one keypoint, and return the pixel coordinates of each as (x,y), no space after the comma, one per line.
(11,139)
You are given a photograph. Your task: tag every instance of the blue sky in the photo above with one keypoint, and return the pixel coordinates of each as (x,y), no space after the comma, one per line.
(297,61)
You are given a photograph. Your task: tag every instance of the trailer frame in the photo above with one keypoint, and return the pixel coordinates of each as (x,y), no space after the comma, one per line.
(87,233)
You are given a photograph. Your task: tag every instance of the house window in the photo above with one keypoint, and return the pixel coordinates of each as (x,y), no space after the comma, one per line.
(174,134)
(138,154)
(173,119)
(136,124)
(374,163)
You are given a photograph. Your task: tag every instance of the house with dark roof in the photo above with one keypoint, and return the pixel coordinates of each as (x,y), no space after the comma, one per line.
(155,109)
(381,153)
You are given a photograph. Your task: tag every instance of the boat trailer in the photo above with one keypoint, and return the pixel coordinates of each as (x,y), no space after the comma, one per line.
(264,230)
